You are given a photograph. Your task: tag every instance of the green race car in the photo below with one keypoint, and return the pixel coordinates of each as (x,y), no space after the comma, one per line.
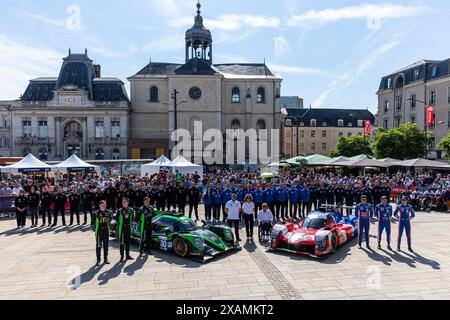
(175,232)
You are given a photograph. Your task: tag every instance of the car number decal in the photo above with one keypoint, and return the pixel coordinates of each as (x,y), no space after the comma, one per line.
(164,244)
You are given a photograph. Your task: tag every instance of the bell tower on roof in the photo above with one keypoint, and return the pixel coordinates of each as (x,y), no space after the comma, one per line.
(199,40)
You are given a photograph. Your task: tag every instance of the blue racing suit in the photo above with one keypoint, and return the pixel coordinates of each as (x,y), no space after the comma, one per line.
(404,214)
(363,212)
(384,214)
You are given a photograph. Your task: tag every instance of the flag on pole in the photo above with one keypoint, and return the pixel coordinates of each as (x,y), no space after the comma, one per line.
(367,128)
(430,115)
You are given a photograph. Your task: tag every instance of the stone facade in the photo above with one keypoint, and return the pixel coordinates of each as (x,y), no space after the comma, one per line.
(427,82)
(79,112)
(232,95)
(317,131)
(5,128)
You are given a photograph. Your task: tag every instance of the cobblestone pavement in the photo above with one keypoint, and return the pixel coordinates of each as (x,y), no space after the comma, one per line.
(44,263)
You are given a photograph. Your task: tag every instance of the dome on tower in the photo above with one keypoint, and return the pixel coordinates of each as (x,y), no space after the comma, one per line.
(199,40)
(198,32)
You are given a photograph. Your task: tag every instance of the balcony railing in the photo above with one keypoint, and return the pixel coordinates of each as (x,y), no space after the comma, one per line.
(26,141)
(108,141)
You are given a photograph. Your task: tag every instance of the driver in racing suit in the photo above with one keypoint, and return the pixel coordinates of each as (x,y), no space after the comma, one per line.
(383,212)
(404,213)
(146,227)
(101,225)
(125,218)
(363,212)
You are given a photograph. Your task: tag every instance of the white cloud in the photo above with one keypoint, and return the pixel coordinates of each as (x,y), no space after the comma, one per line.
(370,12)
(344,80)
(278,68)
(20,62)
(230,22)
(46,20)
(168,43)
(281,46)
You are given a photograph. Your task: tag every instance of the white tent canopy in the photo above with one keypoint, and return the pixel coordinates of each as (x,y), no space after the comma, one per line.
(422,163)
(75,164)
(184,166)
(28,164)
(161,164)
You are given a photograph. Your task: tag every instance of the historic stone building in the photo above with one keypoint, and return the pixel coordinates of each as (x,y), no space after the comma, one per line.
(403,96)
(78,112)
(166,96)
(317,131)
(5,128)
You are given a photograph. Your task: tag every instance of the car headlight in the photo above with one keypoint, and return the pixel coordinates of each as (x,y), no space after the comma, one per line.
(199,242)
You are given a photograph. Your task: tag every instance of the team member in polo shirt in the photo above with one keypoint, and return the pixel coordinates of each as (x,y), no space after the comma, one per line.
(248,209)
(233,210)
(258,198)
(21,203)
(101,223)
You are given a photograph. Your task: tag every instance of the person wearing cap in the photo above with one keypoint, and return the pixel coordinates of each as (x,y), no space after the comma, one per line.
(383,212)
(404,213)
(363,212)
(125,217)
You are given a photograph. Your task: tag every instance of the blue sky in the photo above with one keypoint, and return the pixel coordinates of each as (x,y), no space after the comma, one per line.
(331,53)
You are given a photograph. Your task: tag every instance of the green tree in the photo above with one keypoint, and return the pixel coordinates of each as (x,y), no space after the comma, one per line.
(445,145)
(352,146)
(406,142)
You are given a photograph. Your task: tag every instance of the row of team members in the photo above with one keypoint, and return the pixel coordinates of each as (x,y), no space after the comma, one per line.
(383,212)
(294,201)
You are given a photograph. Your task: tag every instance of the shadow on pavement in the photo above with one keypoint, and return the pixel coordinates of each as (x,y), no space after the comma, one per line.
(411,259)
(89,275)
(374,255)
(136,265)
(250,246)
(112,273)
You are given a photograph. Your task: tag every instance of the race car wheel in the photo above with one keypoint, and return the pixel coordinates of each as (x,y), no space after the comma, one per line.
(180,247)
(333,242)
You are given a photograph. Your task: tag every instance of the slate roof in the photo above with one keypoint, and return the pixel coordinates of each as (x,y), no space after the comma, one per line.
(244,69)
(329,116)
(77,70)
(425,68)
(259,70)
(196,66)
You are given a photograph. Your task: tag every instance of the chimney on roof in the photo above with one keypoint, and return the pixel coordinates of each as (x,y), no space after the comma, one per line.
(98,70)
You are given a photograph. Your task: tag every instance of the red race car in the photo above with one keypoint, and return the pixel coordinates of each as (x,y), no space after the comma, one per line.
(317,235)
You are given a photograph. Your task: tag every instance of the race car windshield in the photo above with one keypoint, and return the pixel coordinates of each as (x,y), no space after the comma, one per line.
(186,226)
(315,223)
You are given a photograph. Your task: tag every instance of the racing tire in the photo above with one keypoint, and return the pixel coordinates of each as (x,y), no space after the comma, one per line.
(333,242)
(180,247)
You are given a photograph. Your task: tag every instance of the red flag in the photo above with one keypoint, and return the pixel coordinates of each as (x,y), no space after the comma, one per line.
(430,115)
(367,128)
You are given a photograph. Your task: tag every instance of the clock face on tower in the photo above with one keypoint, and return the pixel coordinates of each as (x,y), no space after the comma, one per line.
(195,93)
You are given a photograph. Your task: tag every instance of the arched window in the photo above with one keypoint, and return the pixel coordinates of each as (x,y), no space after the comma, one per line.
(116,154)
(99,154)
(360,123)
(235,124)
(235,95)
(324,124)
(43,154)
(261,95)
(260,125)
(313,122)
(340,123)
(154,94)
(302,124)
